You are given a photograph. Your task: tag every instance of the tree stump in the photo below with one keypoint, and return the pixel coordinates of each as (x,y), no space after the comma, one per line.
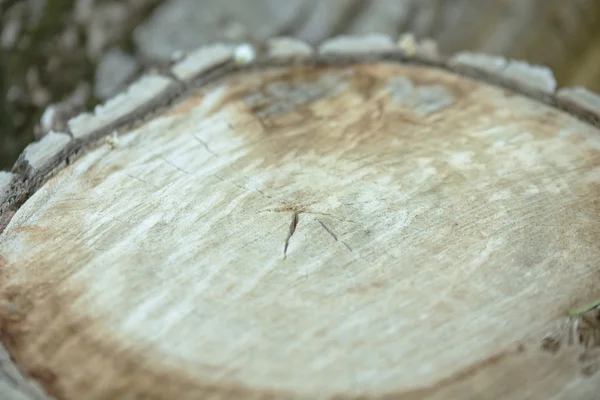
(360,221)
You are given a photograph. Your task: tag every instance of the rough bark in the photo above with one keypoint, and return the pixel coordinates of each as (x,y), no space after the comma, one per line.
(363,221)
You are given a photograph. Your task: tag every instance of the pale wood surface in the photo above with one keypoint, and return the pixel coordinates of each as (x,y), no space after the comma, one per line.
(385,229)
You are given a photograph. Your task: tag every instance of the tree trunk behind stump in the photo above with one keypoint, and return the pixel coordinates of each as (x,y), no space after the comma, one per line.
(360,222)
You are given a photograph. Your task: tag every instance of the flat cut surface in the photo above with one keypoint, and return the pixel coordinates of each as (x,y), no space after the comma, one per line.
(380,230)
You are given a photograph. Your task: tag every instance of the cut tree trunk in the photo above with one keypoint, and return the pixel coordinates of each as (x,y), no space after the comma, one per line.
(363,221)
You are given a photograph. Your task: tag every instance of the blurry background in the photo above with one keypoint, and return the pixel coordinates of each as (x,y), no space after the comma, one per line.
(79,52)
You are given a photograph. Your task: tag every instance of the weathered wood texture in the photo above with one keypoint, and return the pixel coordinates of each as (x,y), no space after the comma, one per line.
(343,224)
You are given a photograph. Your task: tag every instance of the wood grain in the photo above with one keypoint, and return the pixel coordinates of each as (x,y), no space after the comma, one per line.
(336,226)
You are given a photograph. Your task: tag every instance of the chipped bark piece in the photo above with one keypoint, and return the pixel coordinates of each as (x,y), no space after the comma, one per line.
(5,179)
(581,98)
(485,62)
(287,47)
(532,76)
(202,60)
(350,44)
(42,155)
(527,76)
(38,162)
(136,100)
(311,230)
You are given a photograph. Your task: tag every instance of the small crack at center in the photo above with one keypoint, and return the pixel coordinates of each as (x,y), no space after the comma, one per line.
(293,225)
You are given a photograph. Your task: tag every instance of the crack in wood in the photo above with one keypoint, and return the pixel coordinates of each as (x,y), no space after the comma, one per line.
(245,189)
(141,180)
(293,225)
(173,165)
(347,246)
(205,145)
(333,235)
